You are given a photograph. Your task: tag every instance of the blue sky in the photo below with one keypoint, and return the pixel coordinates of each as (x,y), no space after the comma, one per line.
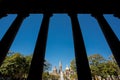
(60,39)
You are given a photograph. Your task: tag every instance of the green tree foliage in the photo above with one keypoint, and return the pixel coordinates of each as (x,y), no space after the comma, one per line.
(45,76)
(73,76)
(54,77)
(96,59)
(13,66)
(73,65)
(95,62)
(47,66)
(101,66)
(114,65)
(16,66)
(74,69)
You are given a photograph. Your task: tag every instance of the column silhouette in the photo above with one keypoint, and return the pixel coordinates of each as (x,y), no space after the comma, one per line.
(82,64)
(110,36)
(36,69)
(9,36)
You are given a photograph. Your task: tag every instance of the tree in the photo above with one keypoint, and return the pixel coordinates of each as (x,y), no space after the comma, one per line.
(45,76)
(73,65)
(96,59)
(101,66)
(16,66)
(114,65)
(73,76)
(54,77)
(73,69)
(96,65)
(47,66)
(28,63)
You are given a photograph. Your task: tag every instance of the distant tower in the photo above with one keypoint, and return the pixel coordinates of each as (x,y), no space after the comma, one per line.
(55,70)
(60,66)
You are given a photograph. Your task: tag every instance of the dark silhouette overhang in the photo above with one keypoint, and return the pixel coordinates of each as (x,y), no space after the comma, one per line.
(59,6)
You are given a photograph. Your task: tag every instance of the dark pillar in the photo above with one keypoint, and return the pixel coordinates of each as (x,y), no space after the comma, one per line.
(110,36)
(36,69)
(82,64)
(9,36)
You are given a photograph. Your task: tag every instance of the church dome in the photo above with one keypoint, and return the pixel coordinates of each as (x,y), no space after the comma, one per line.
(67,68)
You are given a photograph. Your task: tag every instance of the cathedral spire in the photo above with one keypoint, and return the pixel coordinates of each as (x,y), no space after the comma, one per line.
(60,63)
(60,66)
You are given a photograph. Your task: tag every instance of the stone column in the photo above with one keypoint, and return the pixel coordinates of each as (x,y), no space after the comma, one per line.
(83,70)
(110,36)
(36,68)
(9,36)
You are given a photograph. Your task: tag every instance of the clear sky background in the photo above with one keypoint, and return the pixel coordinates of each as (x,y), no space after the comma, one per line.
(60,40)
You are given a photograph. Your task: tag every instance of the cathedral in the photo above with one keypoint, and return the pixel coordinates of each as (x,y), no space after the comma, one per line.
(57,71)
(66,73)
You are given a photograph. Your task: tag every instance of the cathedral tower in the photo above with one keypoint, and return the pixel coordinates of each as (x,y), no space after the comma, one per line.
(55,70)
(60,66)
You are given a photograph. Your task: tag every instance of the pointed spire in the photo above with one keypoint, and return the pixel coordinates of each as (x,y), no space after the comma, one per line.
(60,63)
(60,66)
